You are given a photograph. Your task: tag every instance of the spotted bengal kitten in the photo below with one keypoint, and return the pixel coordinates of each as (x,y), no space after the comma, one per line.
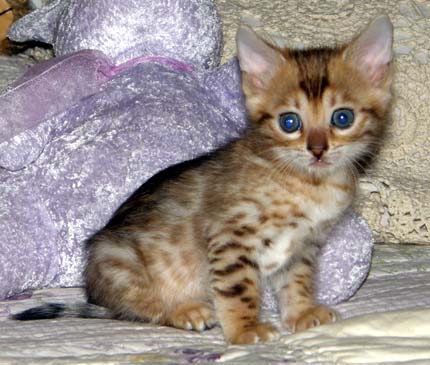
(191,246)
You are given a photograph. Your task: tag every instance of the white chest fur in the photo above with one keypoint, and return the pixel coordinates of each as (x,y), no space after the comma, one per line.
(313,223)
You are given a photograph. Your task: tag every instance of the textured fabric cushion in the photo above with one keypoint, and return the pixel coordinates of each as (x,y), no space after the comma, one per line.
(28,106)
(395,193)
(183,29)
(110,142)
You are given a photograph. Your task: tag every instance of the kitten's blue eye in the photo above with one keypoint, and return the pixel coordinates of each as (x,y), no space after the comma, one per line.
(342,118)
(290,122)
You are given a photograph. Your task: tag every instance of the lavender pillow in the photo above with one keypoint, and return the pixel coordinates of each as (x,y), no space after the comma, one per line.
(47,89)
(187,30)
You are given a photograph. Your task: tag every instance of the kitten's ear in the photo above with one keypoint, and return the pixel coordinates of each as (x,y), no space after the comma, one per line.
(372,50)
(256,58)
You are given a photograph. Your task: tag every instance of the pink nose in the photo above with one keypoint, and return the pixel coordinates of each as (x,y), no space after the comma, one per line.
(317,142)
(317,152)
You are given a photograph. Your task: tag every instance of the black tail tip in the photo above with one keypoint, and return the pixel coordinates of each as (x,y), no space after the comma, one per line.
(47,311)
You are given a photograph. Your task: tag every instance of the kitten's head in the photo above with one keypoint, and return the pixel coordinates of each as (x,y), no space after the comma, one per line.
(318,110)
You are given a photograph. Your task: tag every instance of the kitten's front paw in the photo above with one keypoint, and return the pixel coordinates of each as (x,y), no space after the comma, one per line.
(312,317)
(251,334)
(193,316)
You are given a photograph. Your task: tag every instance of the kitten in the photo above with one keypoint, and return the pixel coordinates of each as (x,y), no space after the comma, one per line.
(191,246)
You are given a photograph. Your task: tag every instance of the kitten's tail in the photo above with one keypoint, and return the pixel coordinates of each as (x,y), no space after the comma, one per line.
(54,310)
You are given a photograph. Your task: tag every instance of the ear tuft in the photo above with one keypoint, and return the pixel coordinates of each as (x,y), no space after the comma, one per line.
(372,50)
(257,58)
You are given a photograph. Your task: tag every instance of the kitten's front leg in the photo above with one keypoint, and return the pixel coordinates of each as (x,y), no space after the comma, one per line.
(294,286)
(235,282)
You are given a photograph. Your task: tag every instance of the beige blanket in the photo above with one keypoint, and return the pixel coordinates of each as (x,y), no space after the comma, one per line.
(399,280)
(398,337)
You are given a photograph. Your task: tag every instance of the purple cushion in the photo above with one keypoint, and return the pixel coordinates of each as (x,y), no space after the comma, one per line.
(30,104)
(188,30)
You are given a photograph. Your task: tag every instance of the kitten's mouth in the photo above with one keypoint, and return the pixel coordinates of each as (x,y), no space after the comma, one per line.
(319,164)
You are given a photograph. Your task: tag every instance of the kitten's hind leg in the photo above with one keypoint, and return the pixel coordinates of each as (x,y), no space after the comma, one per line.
(162,284)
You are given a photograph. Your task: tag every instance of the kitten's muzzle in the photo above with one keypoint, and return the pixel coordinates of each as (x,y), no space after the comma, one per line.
(317,152)
(317,142)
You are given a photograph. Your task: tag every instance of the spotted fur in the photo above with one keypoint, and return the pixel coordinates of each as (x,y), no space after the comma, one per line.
(191,246)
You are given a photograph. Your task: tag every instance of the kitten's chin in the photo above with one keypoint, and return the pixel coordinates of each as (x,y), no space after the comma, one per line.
(321,169)
(320,166)
(317,164)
